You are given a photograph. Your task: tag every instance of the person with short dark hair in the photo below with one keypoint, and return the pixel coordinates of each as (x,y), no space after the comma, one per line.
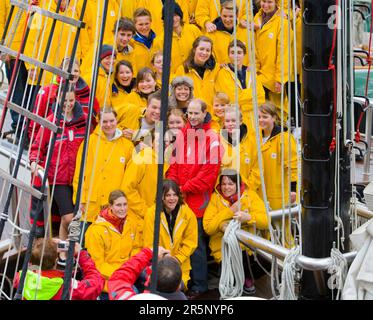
(178,227)
(146,120)
(43,256)
(233,199)
(125,29)
(135,274)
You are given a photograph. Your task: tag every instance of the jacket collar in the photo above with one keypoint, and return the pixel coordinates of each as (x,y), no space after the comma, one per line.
(206,125)
(146,41)
(220,26)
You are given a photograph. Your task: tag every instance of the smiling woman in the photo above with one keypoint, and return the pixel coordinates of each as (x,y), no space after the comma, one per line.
(178,230)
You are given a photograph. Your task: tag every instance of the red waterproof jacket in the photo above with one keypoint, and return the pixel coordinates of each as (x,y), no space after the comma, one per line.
(47,97)
(195,164)
(121,284)
(69,142)
(89,288)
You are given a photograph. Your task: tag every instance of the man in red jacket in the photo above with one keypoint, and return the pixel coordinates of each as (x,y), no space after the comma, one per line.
(135,273)
(195,168)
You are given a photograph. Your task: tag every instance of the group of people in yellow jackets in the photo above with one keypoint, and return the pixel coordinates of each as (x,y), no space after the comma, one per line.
(209,61)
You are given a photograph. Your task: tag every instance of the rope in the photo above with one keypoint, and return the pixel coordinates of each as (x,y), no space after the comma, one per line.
(287,285)
(337,270)
(232,276)
(369,61)
(74,227)
(167,47)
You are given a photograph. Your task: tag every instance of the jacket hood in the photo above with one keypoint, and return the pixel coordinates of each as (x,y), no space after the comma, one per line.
(41,288)
(275,131)
(118,223)
(118,133)
(146,41)
(77,112)
(231,199)
(228,138)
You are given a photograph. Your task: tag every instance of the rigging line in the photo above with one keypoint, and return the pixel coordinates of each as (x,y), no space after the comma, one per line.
(344,89)
(296,99)
(100,134)
(70,254)
(369,61)
(331,66)
(282,62)
(289,122)
(167,46)
(252,59)
(23,138)
(18,294)
(97,52)
(104,107)
(236,105)
(12,83)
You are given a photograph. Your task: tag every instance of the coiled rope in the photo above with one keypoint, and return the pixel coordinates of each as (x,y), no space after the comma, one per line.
(232,276)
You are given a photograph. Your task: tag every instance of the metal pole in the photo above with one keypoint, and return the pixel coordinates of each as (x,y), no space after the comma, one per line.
(319,164)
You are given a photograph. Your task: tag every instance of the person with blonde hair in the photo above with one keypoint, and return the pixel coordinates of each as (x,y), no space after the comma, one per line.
(220,104)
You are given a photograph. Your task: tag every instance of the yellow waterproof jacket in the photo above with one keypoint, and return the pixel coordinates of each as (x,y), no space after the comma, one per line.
(91,15)
(181,243)
(128,115)
(203,88)
(108,166)
(4,11)
(140,182)
(15,29)
(135,99)
(269,56)
(181,45)
(272,155)
(218,212)
(249,164)
(221,40)
(108,247)
(62,42)
(143,55)
(103,88)
(226,81)
(209,10)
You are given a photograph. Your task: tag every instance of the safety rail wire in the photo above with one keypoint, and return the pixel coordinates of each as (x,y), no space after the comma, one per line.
(18,294)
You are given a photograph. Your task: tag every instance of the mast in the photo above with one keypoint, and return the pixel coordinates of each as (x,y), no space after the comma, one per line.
(321,193)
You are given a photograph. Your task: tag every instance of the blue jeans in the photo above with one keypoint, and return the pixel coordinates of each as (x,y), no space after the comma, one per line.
(198,260)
